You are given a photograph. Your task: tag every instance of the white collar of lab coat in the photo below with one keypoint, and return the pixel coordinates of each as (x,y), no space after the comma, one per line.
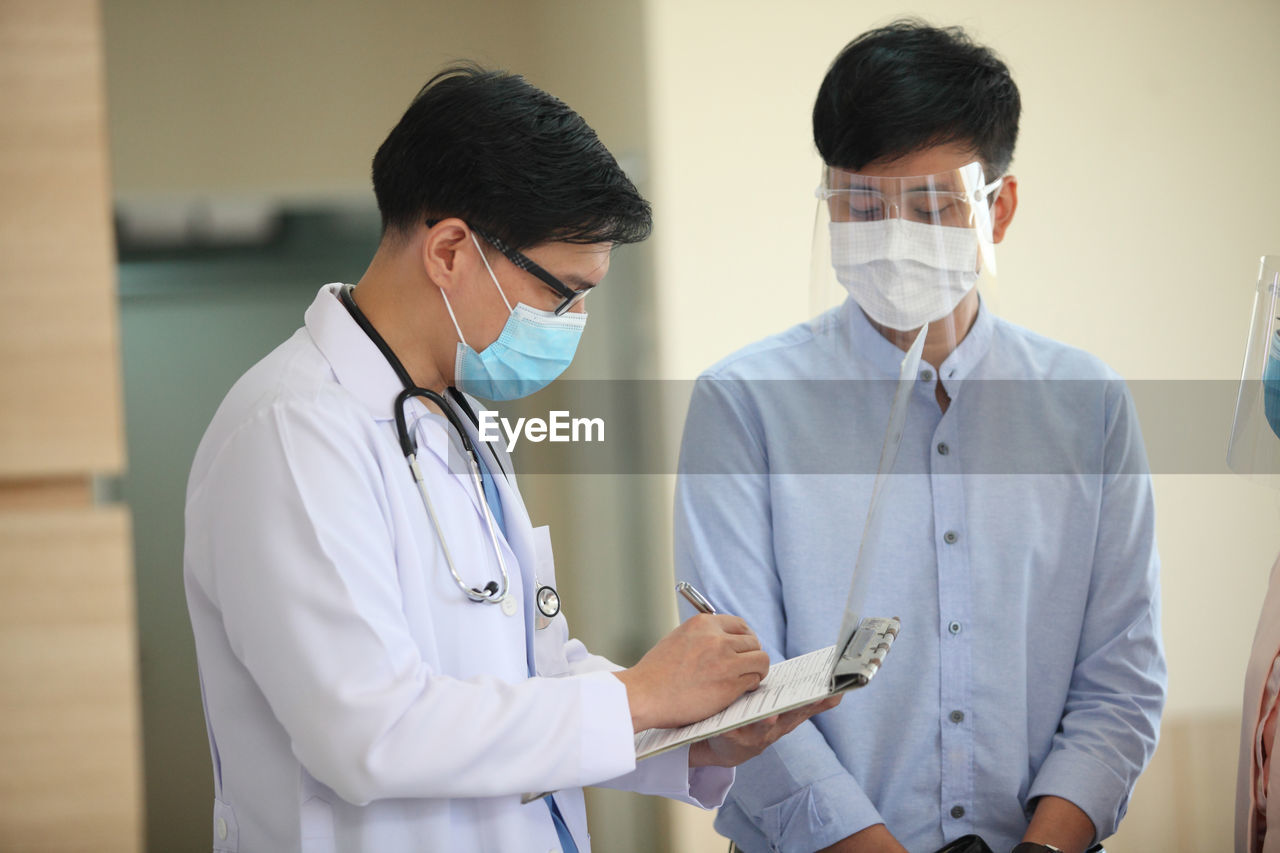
(363,371)
(357,363)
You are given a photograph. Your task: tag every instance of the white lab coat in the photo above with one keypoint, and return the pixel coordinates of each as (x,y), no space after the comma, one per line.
(355,699)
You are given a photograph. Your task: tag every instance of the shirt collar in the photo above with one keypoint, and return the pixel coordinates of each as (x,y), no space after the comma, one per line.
(964,358)
(869,343)
(887,358)
(356,362)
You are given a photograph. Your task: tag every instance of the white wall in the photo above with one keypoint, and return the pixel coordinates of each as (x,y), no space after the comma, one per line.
(1149,185)
(286,100)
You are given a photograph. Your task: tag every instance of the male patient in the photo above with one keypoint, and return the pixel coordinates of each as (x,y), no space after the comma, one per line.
(1023,696)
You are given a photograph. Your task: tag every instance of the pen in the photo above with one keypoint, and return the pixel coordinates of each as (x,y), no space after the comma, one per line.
(697,599)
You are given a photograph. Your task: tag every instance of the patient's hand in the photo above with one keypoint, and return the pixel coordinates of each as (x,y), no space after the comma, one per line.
(734,747)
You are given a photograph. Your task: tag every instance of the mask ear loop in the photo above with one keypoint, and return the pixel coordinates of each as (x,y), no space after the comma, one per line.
(458,328)
(491,275)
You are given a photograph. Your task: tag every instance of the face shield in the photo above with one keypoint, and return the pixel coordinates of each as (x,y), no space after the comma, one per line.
(906,249)
(1254,449)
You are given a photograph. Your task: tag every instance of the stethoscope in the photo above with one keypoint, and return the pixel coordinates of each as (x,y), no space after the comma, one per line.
(547,599)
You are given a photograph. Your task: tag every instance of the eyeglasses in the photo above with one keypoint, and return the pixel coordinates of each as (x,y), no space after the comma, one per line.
(926,200)
(569,296)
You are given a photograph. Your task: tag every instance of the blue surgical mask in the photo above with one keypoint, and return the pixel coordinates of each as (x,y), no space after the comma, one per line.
(533,349)
(1271,384)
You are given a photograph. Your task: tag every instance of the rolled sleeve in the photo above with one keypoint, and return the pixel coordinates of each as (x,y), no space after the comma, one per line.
(807,819)
(1090,784)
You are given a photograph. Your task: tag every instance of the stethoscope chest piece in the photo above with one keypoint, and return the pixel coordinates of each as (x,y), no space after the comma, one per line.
(548,602)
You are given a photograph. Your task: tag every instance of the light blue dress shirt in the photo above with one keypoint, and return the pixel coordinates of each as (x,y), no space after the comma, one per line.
(1017,548)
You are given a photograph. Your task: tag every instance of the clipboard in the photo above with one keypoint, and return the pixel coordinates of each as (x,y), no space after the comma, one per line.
(793,683)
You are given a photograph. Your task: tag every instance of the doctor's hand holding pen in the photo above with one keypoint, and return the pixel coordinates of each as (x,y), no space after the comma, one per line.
(693,672)
(698,669)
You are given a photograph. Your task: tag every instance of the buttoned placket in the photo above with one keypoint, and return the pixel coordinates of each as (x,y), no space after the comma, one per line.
(955,644)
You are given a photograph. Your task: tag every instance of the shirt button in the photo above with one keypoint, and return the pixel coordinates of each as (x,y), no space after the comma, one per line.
(943,450)
(957,811)
(957,716)
(950,537)
(222,829)
(926,375)
(954,627)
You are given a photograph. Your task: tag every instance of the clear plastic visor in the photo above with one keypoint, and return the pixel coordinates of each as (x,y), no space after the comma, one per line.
(907,250)
(1254,449)
(959,199)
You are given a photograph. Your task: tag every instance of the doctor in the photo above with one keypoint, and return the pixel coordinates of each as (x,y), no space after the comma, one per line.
(383,662)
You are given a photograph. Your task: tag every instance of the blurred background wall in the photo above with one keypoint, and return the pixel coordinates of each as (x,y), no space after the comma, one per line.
(240,137)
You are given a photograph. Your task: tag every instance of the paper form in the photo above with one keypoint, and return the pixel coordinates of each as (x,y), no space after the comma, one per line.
(790,684)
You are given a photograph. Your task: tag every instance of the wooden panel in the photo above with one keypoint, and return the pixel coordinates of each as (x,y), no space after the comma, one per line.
(52,493)
(70,776)
(60,387)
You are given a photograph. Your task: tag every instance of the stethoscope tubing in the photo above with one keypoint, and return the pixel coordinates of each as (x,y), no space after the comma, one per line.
(491,593)
(546,597)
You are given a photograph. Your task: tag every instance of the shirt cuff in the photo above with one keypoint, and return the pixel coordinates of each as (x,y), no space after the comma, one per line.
(708,786)
(606,744)
(669,775)
(1085,782)
(811,818)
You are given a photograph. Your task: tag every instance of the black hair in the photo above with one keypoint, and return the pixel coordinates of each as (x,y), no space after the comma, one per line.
(909,86)
(509,159)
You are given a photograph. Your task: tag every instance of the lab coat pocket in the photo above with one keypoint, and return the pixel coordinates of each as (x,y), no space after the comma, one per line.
(550,635)
(316,826)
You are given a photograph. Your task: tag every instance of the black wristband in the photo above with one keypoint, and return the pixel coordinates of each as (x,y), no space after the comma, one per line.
(1033,847)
